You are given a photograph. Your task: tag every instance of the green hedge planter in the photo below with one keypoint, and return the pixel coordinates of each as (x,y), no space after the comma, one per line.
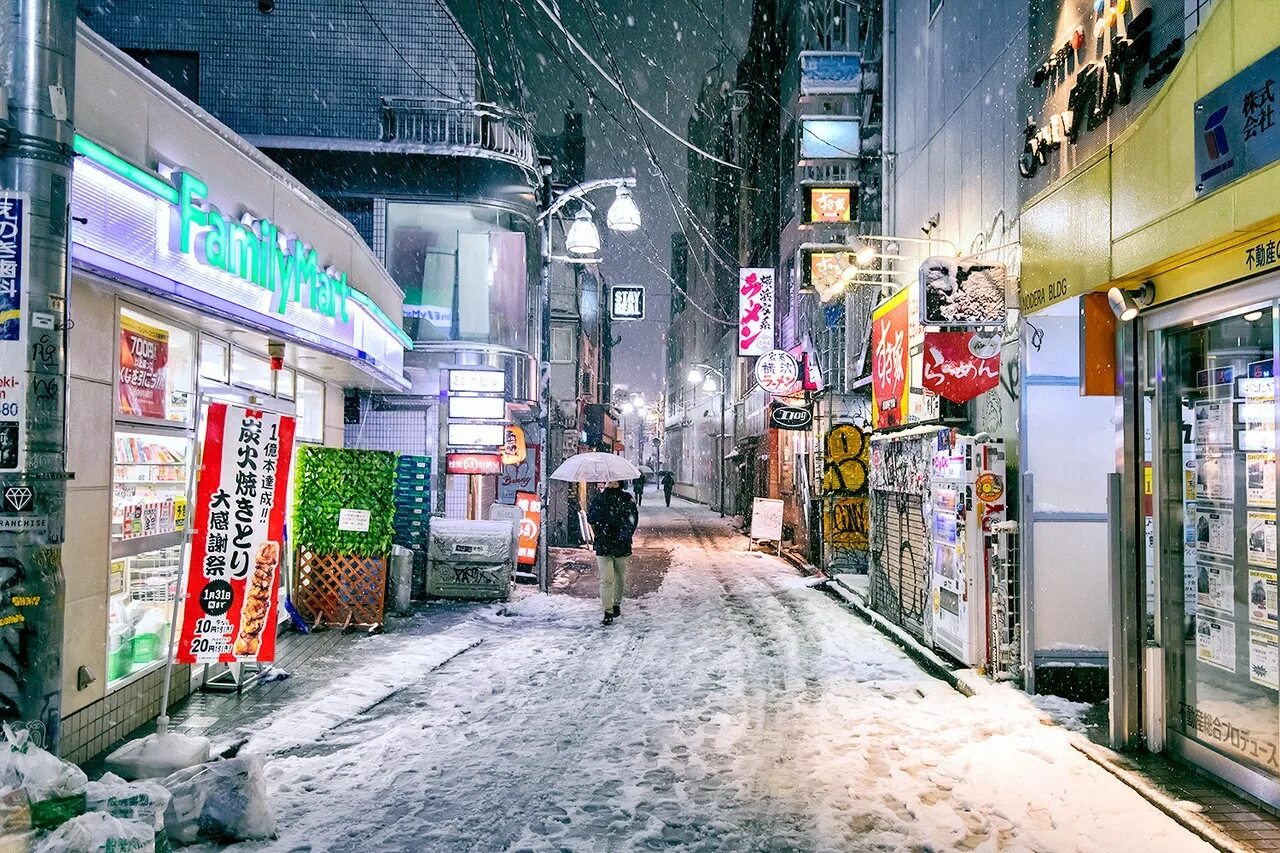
(329,480)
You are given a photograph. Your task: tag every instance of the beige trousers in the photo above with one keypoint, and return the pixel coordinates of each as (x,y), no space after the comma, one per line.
(612,572)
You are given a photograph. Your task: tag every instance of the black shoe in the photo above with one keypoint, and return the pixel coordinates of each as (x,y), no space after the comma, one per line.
(608,618)
(616,612)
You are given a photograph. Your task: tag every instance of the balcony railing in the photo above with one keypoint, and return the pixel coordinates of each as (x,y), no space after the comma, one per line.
(484,129)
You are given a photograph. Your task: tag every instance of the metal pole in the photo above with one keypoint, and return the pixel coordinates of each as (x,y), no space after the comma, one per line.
(35,172)
(544,382)
(724,382)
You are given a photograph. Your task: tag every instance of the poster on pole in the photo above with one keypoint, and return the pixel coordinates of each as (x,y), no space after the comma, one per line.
(530,505)
(15,250)
(236,552)
(766,521)
(755,311)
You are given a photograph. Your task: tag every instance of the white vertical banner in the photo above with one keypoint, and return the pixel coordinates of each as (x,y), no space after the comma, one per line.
(15,249)
(755,311)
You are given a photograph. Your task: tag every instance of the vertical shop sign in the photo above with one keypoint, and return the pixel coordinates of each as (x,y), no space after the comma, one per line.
(755,311)
(144,360)
(521,476)
(15,246)
(235,557)
(953,370)
(889,361)
(527,540)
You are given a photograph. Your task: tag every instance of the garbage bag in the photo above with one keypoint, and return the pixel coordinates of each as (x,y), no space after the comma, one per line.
(158,755)
(99,832)
(219,801)
(54,788)
(144,801)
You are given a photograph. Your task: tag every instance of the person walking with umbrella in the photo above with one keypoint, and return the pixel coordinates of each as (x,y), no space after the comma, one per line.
(613,516)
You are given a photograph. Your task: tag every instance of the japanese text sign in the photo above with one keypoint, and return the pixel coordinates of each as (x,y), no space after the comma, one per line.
(755,311)
(1235,125)
(890,361)
(15,249)
(626,302)
(954,370)
(144,359)
(778,373)
(530,524)
(1262,254)
(828,204)
(236,552)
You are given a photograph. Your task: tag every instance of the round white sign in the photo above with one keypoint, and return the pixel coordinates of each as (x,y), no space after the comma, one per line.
(777,372)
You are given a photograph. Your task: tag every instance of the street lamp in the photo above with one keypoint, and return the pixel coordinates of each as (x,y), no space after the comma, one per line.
(701,374)
(581,239)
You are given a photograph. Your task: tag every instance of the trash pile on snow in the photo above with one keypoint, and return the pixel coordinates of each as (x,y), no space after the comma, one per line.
(49,806)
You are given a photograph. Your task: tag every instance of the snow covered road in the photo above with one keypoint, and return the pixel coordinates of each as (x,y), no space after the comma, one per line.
(734,709)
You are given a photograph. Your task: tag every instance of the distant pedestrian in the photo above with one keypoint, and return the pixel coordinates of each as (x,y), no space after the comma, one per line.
(668,485)
(613,517)
(637,485)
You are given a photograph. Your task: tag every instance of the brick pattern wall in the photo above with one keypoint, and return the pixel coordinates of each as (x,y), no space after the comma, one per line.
(94,728)
(310,67)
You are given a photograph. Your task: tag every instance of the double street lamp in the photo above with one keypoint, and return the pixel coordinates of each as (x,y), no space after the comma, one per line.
(704,375)
(582,241)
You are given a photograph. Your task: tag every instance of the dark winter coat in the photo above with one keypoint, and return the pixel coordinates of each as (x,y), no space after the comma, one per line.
(613,517)
(668,482)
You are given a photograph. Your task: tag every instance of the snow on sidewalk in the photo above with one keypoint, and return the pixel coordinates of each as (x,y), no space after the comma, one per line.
(734,709)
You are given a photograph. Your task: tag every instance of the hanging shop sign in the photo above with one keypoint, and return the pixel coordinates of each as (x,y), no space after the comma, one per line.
(830,137)
(1235,125)
(489,408)
(890,361)
(826,270)
(828,204)
(962,292)
(826,72)
(626,302)
(755,311)
(472,434)
(530,526)
(522,476)
(235,556)
(955,366)
(778,373)
(15,250)
(514,450)
(482,464)
(144,359)
(478,380)
(790,417)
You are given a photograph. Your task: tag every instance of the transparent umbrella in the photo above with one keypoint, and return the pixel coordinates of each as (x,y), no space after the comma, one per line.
(595,468)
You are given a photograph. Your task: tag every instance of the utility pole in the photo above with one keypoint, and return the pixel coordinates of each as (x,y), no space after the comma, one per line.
(38,88)
(724,399)
(544,378)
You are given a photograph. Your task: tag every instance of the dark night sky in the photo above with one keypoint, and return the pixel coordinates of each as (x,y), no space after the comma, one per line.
(664,49)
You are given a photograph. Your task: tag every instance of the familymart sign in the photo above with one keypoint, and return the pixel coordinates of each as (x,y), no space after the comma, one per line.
(256,251)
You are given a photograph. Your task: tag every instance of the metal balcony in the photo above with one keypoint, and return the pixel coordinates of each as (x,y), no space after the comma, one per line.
(468,129)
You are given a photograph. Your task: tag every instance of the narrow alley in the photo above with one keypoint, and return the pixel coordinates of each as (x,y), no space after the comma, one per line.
(734,708)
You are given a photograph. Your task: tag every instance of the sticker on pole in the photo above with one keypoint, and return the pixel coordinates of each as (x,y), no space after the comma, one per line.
(235,558)
(15,250)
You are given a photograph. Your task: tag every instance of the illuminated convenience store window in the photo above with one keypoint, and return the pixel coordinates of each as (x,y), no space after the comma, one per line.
(155,376)
(310,403)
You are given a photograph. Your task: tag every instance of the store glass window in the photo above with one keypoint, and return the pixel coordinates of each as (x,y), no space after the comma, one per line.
(310,403)
(156,379)
(464,271)
(252,372)
(215,360)
(285,379)
(142,588)
(1214,451)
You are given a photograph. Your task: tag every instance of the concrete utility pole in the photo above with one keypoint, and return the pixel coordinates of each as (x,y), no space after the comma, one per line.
(38,43)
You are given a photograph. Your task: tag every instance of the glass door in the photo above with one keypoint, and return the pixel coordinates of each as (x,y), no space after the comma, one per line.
(1214,455)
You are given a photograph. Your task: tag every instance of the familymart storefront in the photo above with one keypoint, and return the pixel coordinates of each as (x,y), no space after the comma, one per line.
(1191,264)
(201,273)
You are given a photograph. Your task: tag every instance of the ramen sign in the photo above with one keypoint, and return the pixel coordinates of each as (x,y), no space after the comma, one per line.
(778,372)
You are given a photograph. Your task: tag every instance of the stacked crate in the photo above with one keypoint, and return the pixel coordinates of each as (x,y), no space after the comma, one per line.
(413,513)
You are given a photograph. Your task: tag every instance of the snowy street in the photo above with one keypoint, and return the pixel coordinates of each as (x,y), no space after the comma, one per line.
(734,708)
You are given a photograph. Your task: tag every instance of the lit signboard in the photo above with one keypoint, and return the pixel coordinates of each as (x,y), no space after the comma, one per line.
(828,204)
(626,302)
(468,434)
(482,381)
(830,72)
(830,137)
(473,463)
(826,270)
(477,408)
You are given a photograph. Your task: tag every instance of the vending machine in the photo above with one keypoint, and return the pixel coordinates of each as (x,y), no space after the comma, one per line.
(967,495)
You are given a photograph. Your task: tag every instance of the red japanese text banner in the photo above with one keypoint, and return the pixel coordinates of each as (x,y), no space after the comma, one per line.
(237,546)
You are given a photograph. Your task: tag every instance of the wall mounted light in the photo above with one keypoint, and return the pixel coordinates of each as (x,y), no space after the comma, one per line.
(623,214)
(1127,304)
(865,255)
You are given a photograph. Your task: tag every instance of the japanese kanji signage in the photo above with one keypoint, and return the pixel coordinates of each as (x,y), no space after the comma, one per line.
(626,302)
(755,311)
(828,204)
(530,524)
(144,360)
(890,361)
(15,247)
(1235,125)
(236,555)
(778,373)
(953,370)
(1263,255)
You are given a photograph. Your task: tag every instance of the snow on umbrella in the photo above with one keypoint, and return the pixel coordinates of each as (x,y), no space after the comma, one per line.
(595,468)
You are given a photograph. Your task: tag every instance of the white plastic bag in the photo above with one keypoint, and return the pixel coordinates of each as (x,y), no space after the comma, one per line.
(98,832)
(158,755)
(144,801)
(41,774)
(219,801)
